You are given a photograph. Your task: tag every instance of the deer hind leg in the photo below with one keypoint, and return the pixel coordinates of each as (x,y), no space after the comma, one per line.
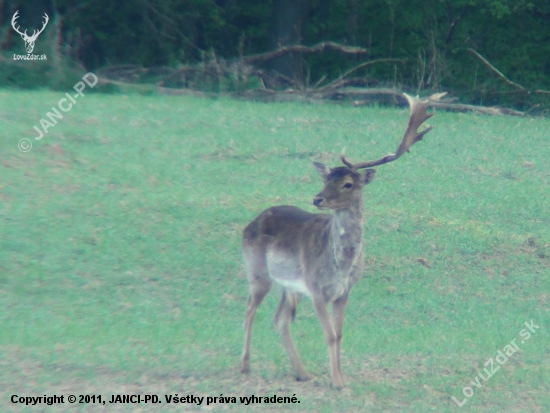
(331,337)
(338,308)
(260,284)
(283,317)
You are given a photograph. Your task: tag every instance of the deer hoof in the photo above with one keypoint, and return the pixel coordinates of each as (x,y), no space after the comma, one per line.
(245,367)
(304,376)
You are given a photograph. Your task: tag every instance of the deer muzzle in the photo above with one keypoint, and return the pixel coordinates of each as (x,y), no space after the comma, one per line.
(318,201)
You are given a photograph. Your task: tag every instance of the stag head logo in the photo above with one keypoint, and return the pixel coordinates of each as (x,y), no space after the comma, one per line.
(29,40)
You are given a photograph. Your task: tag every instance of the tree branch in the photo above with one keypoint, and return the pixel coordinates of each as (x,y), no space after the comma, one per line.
(321,47)
(336,82)
(488,110)
(174,25)
(498,72)
(453,21)
(459,107)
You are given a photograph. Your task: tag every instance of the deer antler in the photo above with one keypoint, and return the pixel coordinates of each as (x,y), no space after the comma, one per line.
(411,136)
(46,20)
(13,21)
(34,33)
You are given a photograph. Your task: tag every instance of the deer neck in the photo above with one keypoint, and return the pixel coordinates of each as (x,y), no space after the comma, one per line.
(347,235)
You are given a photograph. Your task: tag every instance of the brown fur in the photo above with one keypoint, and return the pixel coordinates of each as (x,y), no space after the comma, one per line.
(320,255)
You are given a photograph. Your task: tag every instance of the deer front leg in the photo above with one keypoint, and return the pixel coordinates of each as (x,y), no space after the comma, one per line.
(338,308)
(331,337)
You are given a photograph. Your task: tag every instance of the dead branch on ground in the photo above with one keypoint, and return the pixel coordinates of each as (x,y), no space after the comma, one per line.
(321,47)
(502,76)
(337,82)
(216,73)
(447,104)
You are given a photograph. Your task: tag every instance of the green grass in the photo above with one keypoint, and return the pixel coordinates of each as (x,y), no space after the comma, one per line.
(121,268)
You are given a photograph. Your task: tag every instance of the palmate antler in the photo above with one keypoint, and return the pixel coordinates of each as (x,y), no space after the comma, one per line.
(411,136)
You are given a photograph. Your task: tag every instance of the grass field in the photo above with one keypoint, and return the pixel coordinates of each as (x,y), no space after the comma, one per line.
(121,268)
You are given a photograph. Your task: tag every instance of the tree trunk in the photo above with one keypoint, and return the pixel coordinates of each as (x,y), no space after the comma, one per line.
(287,21)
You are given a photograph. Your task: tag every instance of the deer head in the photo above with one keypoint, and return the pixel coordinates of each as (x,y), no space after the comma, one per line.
(343,183)
(29,40)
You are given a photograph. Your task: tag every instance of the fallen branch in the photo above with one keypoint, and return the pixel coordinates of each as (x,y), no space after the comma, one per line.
(367,91)
(269,95)
(458,107)
(335,83)
(214,71)
(488,110)
(321,47)
(500,74)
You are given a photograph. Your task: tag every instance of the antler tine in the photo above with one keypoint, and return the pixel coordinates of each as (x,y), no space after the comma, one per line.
(46,20)
(14,21)
(418,117)
(345,161)
(35,32)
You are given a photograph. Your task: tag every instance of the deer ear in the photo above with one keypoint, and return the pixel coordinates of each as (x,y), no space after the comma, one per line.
(322,169)
(367,176)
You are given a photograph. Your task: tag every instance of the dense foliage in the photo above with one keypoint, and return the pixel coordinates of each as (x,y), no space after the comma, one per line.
(433,38)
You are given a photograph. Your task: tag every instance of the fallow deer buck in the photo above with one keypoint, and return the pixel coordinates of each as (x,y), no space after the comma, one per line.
(319,255)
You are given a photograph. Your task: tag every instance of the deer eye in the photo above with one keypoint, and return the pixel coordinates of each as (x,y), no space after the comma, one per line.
(348,185)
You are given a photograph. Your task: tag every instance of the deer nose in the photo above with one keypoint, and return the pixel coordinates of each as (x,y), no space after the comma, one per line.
(317,201)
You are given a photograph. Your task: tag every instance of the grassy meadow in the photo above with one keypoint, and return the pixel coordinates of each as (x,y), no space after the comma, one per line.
(121,268)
